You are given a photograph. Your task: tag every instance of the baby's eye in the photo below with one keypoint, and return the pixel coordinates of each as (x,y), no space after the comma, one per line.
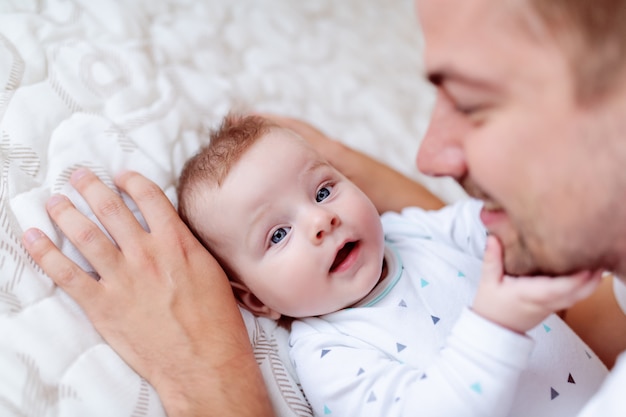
(323,193)
(279,234)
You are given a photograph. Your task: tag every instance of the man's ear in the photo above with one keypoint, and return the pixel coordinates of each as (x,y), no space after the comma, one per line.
(250,301)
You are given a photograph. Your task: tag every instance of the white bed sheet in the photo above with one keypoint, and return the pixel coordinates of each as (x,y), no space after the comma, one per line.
(115,85)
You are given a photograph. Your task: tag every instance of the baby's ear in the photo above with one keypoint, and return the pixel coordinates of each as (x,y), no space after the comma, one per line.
(250,302)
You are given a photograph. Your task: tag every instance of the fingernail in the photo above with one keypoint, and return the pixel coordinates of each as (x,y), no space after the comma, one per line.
(78,174)
(32,235)
(54,200)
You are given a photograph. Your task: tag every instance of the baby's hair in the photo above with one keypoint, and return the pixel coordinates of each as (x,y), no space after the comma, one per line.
(210,166)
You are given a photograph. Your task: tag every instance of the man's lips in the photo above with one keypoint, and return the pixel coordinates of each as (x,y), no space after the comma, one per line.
(490,217)
(492,212)
(345,257)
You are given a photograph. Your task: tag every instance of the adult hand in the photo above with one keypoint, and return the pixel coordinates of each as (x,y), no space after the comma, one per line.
(521,303)
(162,301)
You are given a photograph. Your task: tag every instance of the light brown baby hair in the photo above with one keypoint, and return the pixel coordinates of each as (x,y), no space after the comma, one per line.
(210,166)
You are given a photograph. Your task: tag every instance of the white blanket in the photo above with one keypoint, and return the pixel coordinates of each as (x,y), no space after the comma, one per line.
(115,85)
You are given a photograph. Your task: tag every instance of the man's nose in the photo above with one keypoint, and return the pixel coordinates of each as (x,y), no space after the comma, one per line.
(441,152)
(323,222)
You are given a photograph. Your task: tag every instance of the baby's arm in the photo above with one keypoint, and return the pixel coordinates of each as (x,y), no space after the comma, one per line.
(521,303)
(475,375)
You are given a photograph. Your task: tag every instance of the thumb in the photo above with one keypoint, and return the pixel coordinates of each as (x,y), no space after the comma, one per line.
(492,261)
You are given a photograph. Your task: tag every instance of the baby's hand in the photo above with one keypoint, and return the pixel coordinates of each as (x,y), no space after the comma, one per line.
(521,303)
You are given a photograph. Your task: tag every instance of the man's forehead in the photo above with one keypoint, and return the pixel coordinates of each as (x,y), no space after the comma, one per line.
(441,16)
(458,20)
(467,39)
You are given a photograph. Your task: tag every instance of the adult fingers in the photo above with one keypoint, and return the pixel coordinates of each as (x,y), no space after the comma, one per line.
(86,236)
(108,207)
(157,210)
(65,273)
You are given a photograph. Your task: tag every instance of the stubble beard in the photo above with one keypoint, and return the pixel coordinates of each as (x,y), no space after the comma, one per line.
(519,258)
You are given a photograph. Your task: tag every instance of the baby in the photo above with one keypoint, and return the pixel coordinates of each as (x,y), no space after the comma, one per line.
(383,324)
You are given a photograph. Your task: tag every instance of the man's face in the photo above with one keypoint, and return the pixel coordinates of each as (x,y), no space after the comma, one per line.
(300,235)
(507,127)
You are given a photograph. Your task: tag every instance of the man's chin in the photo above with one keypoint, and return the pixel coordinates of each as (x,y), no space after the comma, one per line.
(524,265)
(520,263)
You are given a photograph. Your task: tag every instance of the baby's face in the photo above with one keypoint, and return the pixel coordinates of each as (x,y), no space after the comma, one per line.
(303,238)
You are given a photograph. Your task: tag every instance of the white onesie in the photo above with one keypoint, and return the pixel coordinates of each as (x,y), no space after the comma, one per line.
(413,347)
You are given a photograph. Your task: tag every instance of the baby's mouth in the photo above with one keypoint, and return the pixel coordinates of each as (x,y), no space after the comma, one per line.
(342,255)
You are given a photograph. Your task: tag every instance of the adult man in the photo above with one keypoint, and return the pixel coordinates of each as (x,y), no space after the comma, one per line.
(523,120)
(530,117)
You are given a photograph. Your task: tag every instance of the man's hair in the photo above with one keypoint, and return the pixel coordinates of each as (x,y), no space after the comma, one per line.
(210,166)
(593,34)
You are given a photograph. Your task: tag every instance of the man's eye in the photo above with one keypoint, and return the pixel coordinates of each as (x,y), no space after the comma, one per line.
(473,109)
(466,110)
(279,234)
(323,193)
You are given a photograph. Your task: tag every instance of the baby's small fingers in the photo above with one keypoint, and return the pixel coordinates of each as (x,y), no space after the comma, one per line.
(562,292)
(589,281)
(492,269)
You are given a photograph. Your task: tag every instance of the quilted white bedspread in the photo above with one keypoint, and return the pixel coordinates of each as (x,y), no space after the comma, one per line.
(115,85)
